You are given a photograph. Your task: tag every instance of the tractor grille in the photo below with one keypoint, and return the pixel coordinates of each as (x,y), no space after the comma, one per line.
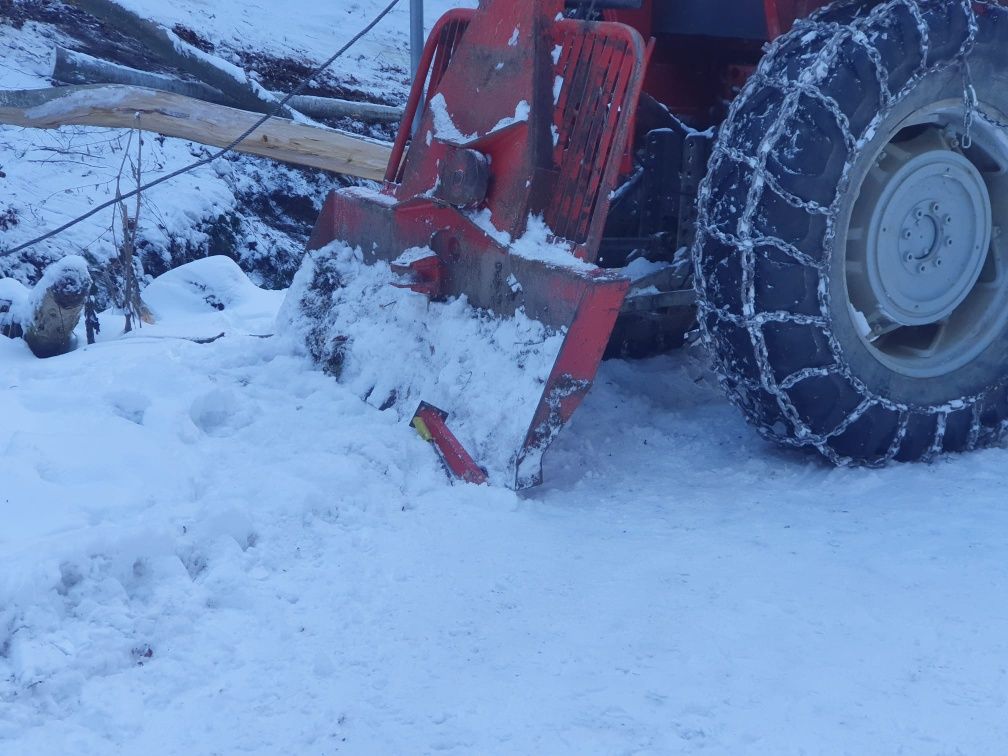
(597,82)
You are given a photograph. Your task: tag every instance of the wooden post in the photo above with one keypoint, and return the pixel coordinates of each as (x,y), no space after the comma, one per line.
(47,315)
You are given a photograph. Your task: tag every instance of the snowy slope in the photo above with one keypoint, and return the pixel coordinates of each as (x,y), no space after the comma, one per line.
(213,548)
(306,29)
(257,211)
(49,177)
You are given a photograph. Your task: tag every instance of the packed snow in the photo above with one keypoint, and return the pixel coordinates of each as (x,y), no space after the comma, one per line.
(216,548)
(540,244)
(521,115)
(444,126)
(394,349)
(210,546)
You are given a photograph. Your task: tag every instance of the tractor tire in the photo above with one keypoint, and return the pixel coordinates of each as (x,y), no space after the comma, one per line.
(851,273)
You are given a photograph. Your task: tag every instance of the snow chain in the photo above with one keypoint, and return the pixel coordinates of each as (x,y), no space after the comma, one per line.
(745,239)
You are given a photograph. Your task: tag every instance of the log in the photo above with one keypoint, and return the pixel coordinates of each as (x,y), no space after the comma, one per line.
(173,50)
(332,107)
(46,315)
(73,67)
(187,118)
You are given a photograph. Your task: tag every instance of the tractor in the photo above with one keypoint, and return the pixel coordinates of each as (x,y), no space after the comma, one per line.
(816,193)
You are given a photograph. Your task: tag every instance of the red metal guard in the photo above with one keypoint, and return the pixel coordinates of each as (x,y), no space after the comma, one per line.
(546,106)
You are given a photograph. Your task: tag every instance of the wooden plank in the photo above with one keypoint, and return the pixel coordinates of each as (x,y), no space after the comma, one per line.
(174,115)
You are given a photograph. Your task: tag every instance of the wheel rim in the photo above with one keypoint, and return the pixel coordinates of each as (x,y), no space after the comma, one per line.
(926,263)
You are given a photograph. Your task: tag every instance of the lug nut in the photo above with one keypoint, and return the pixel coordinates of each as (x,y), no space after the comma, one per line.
(948,220)
(935,208)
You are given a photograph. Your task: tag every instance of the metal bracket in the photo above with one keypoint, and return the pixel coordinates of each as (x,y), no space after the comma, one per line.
(429,422)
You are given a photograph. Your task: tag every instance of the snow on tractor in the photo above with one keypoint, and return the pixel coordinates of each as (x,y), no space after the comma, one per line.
(819,194)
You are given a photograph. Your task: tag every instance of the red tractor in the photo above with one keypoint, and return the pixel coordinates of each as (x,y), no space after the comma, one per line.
(819,194)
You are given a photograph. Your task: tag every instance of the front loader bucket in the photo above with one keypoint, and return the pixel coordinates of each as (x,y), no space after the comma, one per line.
(463,293)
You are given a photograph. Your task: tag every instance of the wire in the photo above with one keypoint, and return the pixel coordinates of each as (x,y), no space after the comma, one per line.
(220,153)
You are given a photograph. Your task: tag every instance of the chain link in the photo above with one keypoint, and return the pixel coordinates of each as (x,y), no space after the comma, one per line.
(864,32)
(970,104)
(970,101)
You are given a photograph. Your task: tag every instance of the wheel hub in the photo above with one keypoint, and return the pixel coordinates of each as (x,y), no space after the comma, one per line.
(928,238)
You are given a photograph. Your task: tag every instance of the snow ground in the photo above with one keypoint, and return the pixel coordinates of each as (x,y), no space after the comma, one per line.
(213,548)
(368,324)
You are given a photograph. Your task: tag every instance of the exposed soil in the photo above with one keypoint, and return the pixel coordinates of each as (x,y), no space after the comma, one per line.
(12,14)
(193,38)
(8,219)
(285,74)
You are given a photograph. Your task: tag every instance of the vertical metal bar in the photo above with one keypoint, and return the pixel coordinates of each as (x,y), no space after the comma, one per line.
(416,34)
(416,48)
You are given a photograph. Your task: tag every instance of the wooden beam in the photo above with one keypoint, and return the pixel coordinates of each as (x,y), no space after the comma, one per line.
(174,115)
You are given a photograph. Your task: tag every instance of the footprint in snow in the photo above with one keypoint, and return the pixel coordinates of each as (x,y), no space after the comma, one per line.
(129,405)
(220,413)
